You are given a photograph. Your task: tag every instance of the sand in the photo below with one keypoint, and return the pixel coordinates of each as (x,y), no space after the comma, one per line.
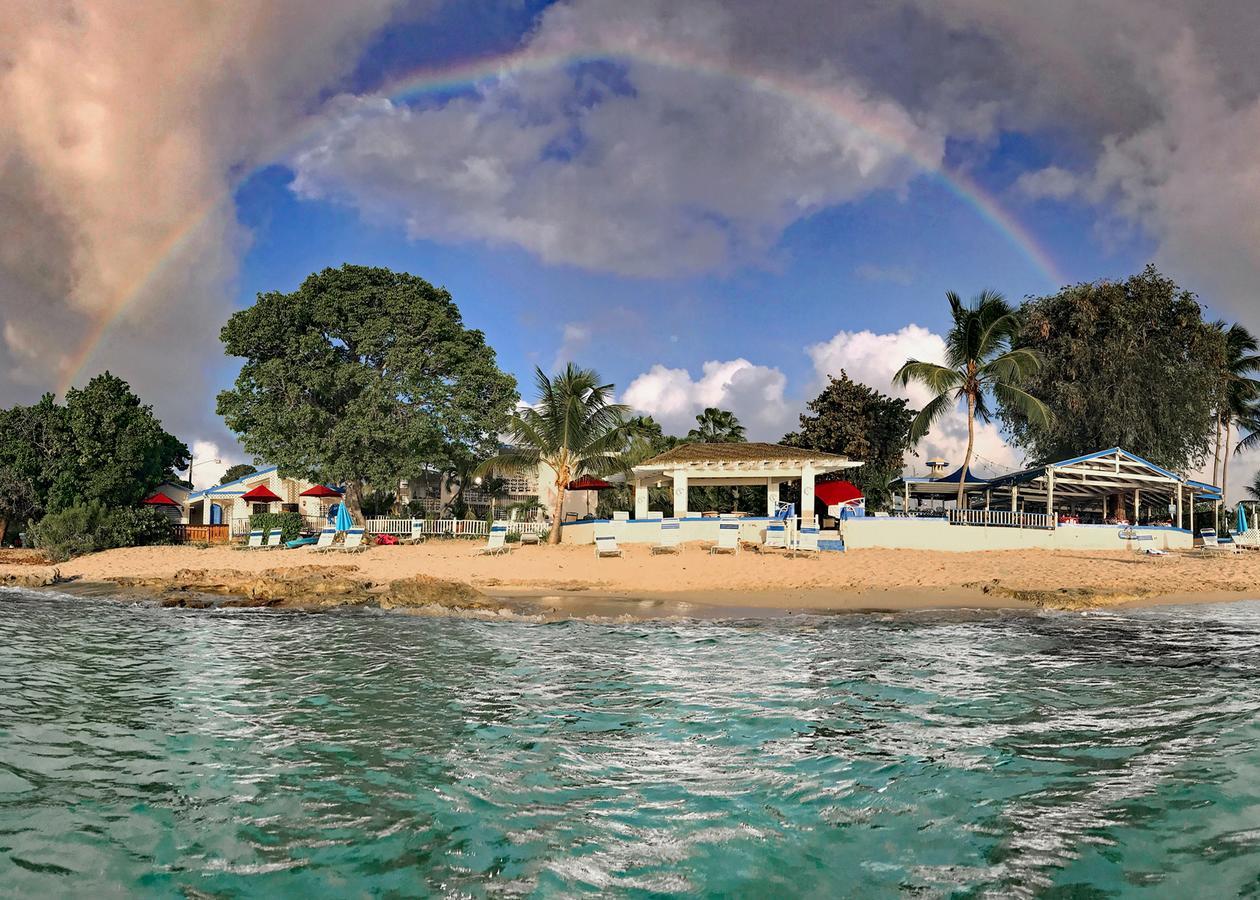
(574,581)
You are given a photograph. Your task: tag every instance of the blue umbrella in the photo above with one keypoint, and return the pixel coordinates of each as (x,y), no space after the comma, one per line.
(344,522)
(1242,519)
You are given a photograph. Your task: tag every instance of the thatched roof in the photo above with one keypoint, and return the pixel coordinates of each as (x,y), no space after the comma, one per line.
(741,452)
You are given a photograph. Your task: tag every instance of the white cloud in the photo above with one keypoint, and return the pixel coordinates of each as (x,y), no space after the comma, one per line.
(873,358)
(1052,183)
(754,393)
(210,461)
(575,338)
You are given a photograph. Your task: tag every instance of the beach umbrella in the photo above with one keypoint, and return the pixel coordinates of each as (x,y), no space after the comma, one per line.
(1242,519)
(160,499)
(344,522)
(589,483)
(261,494)
(320,490)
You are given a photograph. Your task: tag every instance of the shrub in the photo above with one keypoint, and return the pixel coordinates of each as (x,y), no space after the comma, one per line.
(512,537)
(87,528)
(289,523)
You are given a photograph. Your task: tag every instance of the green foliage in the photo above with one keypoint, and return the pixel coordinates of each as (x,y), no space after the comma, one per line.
(716,426)
(1126,364)
(379,503)
(362,375)
(289,523)
(851,419)
(240,470)
(575,427)
(30,436)
(91,527)
(980,362)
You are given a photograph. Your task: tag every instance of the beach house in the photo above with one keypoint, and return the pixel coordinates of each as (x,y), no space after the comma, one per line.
(230,505)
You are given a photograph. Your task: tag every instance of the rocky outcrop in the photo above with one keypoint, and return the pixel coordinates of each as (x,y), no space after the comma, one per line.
(30,576)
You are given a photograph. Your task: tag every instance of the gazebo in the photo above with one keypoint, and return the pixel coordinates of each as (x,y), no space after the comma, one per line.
(734,465)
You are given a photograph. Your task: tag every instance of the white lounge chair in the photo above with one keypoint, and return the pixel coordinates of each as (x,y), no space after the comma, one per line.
(806,541)
(255,539)
(529,537)
(275,539)
(353,542)
(496,543)
(326,536)
(1213,544)
(606,545)
(728,538)
(776,537)
(670,537)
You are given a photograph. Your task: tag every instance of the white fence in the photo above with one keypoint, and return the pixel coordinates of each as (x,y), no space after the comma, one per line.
(1000,518)
(448,527)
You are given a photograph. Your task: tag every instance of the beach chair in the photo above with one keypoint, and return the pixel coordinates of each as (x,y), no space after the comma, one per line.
(728,538)
(326,537)
(776,537)
(530,537)
(255,540)
(353,542)
(496,543)
(606,545)
(417,532)
(670,537)
(275,539)
(1212,543)
(806,541)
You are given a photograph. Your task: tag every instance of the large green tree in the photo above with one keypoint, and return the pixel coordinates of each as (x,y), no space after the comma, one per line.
(362,376)
(716,426)
(240,470)
(1124,363)
(851,419)
(30,438)
(574,427)
(979,363)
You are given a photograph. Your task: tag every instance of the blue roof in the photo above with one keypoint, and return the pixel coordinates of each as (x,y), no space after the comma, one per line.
(1034,473)
(219,487)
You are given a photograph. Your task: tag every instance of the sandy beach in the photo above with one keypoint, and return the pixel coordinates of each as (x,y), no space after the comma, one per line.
(577,583)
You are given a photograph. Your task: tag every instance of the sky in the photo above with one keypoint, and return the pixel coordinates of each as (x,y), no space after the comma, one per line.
(716,203)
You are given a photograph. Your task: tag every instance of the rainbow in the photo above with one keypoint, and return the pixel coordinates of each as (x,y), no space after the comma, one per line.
(837,105)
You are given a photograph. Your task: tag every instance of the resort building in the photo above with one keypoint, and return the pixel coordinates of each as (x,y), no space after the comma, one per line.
(232,504)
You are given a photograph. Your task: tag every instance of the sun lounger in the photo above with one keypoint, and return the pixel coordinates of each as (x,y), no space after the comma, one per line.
(529,537)
(728,538)
(1212,543)
(806,541)
(255,540)
(496,543)
(606,545)
(353,542)
(275,539)
(776,537)
(326,536)
(670,537)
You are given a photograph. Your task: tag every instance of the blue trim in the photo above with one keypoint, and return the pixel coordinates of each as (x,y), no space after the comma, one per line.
(218,487)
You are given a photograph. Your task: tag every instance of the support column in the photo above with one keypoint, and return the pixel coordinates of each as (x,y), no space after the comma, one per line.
(807,494)
(772,496)
(1104,514)
(1137,506)
(905,485)
(1179,520)
(1054,520)
(1192,512)
(1014,498)
(640,498)
(680,494)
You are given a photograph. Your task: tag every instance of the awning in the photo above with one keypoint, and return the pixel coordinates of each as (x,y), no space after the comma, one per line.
(589,483)
(320,490)
(159,499)
(833,493)
(261,494)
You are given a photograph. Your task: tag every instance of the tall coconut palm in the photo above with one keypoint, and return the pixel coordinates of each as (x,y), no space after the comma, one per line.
(574,427)
(717,426)
(979,362)
(1240,395)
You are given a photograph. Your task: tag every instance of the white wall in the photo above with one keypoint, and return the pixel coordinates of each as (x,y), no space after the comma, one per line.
(937,534)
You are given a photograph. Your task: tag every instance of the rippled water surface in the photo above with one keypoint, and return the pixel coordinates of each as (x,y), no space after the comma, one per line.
(148,752)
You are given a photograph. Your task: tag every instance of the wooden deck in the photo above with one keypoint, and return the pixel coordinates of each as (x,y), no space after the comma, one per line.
(201,534)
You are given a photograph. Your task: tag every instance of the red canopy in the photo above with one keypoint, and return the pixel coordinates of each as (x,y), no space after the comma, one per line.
(832,493)
(261,494)
(320,490)
(589,483)
(159,499)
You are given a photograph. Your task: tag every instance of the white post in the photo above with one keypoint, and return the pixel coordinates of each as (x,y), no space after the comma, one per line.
(807,494)
(1179,519)
(680,494)
(640,498)
(1137,502)
(905,508)
(1054,520)
(772,496)
(1192,512)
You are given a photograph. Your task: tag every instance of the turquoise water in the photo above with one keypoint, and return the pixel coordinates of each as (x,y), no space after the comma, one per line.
(148,752)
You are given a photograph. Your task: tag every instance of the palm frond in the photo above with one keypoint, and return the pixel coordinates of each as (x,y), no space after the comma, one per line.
(937,379)
(927,417)
(1032,409)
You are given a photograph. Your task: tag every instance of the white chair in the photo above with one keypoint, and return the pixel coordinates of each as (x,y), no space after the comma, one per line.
(326,536)
(255,539)
(728,538)
(670,537)
(776,537)
(353,542)
(606,545)
(529,537)
(275,538)
(1213,544)
(417,531)
(496,543)
(806,541)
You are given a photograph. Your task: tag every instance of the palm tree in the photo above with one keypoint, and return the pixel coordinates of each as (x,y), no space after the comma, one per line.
(574,427)
(979,361)
(1253,489)
(717,426)
(1240,396)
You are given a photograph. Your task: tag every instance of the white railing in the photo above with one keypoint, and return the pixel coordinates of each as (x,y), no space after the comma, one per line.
(998,518)
(448,527)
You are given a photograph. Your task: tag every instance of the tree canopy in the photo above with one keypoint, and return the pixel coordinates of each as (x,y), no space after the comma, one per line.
(716,426)
(240,470)
(362,375)
(1125,363)
(857,421)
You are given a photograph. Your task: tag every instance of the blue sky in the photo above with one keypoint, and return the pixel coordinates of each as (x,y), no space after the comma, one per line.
(718,202)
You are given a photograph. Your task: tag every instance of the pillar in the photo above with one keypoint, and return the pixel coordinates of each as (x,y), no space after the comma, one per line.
(1179,519)
(1054,520)
(680,494)
(1137,504)
(772,496)
(640,499)
(807,494)
(1104,518)
(1014,498)
(905,508)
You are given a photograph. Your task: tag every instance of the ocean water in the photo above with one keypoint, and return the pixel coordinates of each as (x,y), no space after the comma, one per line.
(168,753)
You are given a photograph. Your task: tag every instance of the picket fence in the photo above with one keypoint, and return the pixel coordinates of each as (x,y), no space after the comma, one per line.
(448,527)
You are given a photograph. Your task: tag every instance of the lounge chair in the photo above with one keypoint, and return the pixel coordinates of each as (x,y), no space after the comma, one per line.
(606,545)
(255,540)
(353,542)
(806,541)
(776,537)
(496,543)
(417,532)
(326,537)
(728,538)
(670,539)
(275,539)
(530,537)
(1213,544)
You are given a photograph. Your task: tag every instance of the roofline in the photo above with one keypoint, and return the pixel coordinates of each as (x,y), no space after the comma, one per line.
(263,471)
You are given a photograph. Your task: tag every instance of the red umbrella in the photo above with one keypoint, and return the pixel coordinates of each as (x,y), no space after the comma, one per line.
(320,490)
(589,483)
(159,499)
(261,494)
(832,493)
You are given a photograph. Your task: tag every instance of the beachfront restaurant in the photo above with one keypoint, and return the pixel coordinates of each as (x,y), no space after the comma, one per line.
(717,465)
(1109,500)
